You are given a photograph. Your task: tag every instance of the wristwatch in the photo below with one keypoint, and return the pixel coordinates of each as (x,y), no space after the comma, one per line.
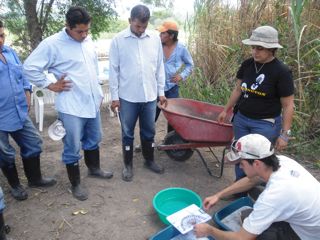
(286,132)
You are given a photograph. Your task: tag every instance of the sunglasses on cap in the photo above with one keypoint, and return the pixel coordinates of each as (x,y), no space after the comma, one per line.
(236,153)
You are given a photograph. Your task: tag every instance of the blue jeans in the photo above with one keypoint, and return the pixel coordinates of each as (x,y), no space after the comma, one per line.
(171,93)
(85,131)
(27,138)
(2,206)
(243,125)
(129,114)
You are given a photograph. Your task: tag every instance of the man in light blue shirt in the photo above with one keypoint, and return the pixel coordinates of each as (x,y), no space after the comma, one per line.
(136,80)
(15,122)
(178,62)
(70,55)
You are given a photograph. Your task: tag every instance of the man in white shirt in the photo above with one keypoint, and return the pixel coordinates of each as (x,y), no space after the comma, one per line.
(291,195)
(137,78)
(70,55)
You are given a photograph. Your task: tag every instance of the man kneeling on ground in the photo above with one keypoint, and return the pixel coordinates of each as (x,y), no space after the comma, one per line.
(288,207)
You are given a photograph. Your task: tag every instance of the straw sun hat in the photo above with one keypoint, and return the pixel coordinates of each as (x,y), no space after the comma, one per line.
(264,36)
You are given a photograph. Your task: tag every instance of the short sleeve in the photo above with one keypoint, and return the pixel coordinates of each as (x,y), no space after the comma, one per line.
(285,86)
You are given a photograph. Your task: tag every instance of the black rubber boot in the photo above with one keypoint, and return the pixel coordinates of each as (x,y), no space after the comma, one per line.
(127,172)
(2,228)
(77,190)
(17,190)
(33,173)
(92,160)
(148,154)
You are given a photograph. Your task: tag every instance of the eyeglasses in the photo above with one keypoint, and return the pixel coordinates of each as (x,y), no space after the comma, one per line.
(259,48)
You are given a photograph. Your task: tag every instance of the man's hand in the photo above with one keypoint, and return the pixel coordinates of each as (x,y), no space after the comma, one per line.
(61,85)
(163,101)
(202,230)
(208,202)
(176,78)
(114,105)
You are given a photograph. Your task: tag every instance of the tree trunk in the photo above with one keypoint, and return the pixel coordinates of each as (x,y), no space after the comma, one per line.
(33,25)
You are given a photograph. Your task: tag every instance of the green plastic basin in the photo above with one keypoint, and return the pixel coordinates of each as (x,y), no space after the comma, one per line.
(171,200)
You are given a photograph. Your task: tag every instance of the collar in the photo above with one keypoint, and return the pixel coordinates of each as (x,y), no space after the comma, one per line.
(4,48)
(67,36)
(128,33)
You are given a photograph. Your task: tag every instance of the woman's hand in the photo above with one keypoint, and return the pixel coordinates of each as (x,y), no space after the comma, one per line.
(222,116)
(281,143)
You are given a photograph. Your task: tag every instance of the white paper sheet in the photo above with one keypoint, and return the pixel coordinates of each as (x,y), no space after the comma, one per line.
(186,218)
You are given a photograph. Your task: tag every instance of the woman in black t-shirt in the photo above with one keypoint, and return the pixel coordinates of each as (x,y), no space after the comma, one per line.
(262,99)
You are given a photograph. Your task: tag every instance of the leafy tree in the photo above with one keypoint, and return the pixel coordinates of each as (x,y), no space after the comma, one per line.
(167,4)
(32,20)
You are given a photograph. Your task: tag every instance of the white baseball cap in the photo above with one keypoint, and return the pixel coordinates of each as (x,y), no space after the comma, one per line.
(56,130)
(251,146)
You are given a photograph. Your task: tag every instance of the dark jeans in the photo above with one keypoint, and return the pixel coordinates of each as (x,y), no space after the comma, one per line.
(130,112)
(277,230)
(243,125)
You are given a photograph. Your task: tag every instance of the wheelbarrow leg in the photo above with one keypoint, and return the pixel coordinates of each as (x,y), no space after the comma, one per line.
(206,165)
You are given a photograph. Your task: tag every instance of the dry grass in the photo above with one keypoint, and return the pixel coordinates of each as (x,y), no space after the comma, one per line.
(216,32)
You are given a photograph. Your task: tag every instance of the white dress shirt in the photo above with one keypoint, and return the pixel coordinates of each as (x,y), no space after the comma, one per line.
(61,55)
(136,67)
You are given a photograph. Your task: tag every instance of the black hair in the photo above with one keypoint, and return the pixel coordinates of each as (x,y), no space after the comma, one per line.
(1,24)
(271,161)
(140,12)
(174,33)
(273,50)
(77,15)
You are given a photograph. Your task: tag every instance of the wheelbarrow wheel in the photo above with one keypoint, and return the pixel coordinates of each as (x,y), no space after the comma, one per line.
(179,154)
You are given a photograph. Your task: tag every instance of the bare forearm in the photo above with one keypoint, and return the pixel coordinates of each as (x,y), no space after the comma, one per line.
(204,229)
(287,113)
(235,95)
(241,185)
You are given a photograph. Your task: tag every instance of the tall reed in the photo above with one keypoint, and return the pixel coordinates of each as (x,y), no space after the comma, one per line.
(216,32)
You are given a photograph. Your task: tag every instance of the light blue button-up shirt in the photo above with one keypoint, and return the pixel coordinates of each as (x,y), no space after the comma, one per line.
(13,104)
(60,54)
(180,61)
(136,67)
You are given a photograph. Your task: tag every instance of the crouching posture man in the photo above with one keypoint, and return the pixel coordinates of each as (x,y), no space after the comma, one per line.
(289,206)
(15,122)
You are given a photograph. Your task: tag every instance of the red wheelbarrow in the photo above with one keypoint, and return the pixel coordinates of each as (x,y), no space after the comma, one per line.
(195,126)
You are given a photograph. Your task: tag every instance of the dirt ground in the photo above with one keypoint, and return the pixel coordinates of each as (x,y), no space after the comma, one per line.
(115,210)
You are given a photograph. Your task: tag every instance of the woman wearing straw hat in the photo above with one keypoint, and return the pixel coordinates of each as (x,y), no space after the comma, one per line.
(262,99)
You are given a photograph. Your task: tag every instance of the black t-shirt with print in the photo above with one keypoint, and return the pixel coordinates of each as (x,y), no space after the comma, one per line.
(261,91)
